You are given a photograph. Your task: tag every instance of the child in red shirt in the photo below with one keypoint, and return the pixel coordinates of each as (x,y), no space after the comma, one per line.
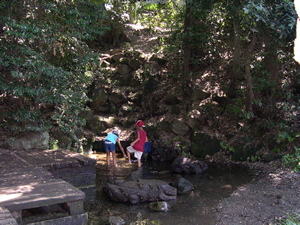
(137,147)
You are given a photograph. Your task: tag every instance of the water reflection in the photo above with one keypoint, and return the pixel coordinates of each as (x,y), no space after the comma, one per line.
(198,207)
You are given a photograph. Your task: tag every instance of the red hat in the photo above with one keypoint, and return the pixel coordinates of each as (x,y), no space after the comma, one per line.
(140,123)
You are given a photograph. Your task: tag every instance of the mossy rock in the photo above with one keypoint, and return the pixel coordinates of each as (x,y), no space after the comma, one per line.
(99,98)
(97,124)
(175,109)
(245,147)
(180,128)
(203,144)
(64,142)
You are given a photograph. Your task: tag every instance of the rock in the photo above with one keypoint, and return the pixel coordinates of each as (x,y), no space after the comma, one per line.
(203,144)
(222,101)
(37,140)
(127,79)
(140,191)
(104,63)
(124,60)
(180,128)
(184,164)
(164,154)
(158,59)
(97,124)
(159,206)
(183,186)
(117,57)
(87,114)
(171,100)
(109,60)
(116,220)
(134,64)
(198,94)
(136,175)
(64,142)
(123,69)
(117,98)
(99,98)
(115,51)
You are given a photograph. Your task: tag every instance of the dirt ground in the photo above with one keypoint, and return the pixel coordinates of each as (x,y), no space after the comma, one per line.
(270,198)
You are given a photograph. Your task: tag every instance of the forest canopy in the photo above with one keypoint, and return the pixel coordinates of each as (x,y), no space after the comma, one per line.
(49,53)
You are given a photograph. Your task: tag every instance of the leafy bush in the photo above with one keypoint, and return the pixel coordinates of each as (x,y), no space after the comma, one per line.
(293,219)
(292,160)
(44,58)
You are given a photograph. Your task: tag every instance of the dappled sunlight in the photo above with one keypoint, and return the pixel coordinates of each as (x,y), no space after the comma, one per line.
(241,189)
(276,178)
(18,189)
(144,42)
(14,193)
(9,197)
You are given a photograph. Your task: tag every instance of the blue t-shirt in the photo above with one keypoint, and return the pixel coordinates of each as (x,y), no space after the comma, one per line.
(112,138)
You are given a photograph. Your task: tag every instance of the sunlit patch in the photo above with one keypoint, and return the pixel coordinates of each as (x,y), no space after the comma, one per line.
(13,193)
(5,198)
(276,178)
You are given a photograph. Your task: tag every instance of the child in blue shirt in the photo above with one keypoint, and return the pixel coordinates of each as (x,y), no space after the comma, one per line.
(110,147)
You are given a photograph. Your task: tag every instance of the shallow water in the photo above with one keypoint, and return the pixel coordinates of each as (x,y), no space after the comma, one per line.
(198,207)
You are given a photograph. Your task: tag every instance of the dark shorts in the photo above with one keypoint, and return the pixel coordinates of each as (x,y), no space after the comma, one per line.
(109,146)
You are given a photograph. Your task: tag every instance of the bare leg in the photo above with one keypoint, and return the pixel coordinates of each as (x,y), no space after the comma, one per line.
(128,155)
(114,158)
(108,157)
(124,155)
(139,163)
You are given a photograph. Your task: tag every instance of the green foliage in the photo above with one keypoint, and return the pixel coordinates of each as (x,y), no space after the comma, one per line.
(292,160)
(53,144)
(292,219)
(280,17)
(44,60)
(224,146)
(285,136)
(237,107)
(255,158)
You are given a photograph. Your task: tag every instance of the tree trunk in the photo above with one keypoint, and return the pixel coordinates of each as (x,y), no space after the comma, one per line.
(186,46)
(236,67)
(271,62)
(249,90)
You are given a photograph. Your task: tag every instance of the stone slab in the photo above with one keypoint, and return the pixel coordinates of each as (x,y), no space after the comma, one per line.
(81,219)
(47,159)
(9,160)
(83,160)
(26,188)
(79,177)
(6,217)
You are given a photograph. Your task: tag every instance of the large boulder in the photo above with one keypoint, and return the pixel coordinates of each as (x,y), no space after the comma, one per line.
(180,128)
(99,98)
(204,144)
(163,154)
(123,69)
(64,142)
(97,124)
(140,191)
(134,64)
(117,98)
(171,100)
(198,94)
(32,140)
(184,164)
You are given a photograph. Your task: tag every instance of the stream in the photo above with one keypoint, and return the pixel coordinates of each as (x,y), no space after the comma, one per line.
(198,207)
